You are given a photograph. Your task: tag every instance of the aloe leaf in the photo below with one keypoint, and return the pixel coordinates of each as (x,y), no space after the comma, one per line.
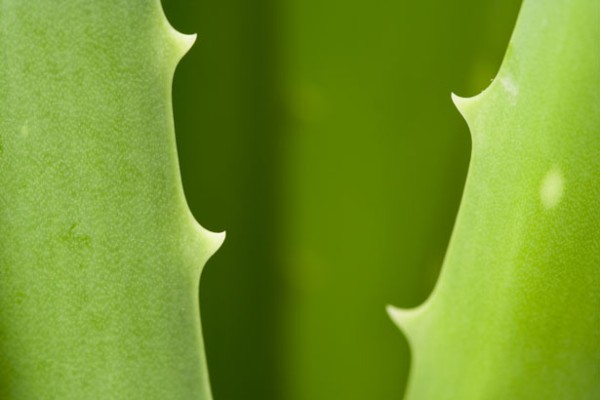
(226,91)
(516,311)
(375,163)
(100,256)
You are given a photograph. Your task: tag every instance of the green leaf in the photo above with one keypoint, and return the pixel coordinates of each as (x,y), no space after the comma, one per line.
(100,256)
(515,314)
(374,166)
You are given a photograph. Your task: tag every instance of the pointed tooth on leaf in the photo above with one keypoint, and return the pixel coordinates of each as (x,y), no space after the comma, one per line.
(184,42)
(464,104)
(212,241)
(404,319)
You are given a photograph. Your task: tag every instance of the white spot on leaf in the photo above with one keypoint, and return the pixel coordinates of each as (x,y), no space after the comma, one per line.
(552,188)
(511,87)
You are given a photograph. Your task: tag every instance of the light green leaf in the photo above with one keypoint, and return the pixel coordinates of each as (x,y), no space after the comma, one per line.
(100,256)
(516,314)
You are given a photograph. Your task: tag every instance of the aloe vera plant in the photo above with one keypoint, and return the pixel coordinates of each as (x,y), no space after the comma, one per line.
(516,313)
(100,256)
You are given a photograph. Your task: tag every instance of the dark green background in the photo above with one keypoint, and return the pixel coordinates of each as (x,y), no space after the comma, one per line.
(320,134)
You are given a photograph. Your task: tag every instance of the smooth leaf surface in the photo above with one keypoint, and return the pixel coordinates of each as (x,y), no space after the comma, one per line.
(99,255)
(516,312)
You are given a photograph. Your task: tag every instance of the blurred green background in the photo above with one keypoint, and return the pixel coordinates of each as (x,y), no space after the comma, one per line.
(320,134)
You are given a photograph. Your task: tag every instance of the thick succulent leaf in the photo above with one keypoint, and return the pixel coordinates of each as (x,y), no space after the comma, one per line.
(370,183)
(516,313)
(100,256)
